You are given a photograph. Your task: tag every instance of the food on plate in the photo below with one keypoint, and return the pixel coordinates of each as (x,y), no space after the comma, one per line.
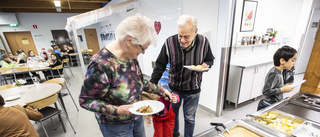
(145,109)
(199,67)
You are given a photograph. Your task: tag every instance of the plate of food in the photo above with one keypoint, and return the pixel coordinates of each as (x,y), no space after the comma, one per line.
(196,68)
(146,107)
(11,98)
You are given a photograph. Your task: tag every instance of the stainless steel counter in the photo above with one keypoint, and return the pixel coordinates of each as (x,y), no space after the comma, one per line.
(291,107)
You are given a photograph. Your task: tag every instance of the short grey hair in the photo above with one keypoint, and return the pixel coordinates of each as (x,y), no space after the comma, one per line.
(183,20)
(138,27)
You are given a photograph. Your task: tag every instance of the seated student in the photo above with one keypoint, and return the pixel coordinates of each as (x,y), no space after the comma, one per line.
(55,62)
(13,58)
(15,120)
(32,57)
(7,63)
(72,58)
(21,56)
(57,50)
(70,49)
(2,52)
(273,89)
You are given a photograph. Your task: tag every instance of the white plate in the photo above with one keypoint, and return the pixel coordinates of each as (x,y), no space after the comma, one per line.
(156,106)
(195,69)
(12,98)
(297,83)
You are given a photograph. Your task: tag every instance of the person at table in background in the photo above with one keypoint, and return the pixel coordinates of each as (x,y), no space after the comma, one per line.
(185,48)
(72,58)
(13,58)
(50,51)
(70,49)
(21,56)
(55,61)
(163,122)
(273,89)
(1,54)
(57,50)
(7,63)
(114,80)
(32,57)
(15,120)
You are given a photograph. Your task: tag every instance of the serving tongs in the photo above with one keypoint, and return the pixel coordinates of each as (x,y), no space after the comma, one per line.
(219,124)
(259,117)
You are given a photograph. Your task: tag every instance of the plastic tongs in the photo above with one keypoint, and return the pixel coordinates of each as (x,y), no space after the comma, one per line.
(220,124)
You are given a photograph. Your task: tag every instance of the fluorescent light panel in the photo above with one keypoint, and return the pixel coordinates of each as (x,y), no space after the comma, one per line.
(57,3)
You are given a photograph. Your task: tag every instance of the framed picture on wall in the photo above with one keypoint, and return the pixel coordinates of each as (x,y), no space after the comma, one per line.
(248,15)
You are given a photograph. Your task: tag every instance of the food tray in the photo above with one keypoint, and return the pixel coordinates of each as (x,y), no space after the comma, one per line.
(307,129)
(299,100)
(212,132)
(241,131)
(281,126)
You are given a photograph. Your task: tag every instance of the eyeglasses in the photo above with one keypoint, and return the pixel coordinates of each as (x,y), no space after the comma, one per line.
(142,48)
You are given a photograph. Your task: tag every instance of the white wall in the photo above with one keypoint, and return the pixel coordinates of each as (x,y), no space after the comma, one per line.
(45,22)
(289,19)
(206,13)
(284,19)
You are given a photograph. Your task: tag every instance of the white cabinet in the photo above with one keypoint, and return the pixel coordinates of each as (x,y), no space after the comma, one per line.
(246,83)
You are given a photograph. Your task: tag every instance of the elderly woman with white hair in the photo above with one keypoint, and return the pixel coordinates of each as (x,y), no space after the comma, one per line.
(114,80)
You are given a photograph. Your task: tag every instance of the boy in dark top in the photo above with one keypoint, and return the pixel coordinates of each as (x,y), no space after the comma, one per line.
(273,89)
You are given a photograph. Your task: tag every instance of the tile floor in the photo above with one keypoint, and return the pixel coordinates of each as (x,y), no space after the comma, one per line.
(86,126)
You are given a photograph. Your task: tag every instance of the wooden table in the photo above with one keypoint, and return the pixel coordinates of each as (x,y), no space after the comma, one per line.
(30,93)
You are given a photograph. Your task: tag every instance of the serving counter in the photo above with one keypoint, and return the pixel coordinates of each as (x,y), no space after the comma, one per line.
(295,116)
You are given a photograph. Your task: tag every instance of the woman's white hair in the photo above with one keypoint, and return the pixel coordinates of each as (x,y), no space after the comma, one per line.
(138,27)
(50,49)
(183,20)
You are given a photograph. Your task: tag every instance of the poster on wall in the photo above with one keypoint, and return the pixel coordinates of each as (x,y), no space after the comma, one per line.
(248,15)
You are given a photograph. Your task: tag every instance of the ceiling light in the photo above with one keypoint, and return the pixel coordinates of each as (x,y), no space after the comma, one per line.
(58,9)
(57,3)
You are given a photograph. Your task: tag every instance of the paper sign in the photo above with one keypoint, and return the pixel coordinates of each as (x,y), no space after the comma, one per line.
(25,42)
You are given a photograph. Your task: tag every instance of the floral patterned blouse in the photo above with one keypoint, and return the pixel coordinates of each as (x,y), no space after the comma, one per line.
(111,82)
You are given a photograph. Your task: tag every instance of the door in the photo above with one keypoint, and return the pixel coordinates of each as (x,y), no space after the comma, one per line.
(21,40)
(306,48)
(92,40)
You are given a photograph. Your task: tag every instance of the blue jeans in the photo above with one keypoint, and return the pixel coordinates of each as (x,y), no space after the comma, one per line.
(190,104)
(132,129)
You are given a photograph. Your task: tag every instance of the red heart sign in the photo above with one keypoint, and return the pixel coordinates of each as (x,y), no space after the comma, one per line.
(157,26)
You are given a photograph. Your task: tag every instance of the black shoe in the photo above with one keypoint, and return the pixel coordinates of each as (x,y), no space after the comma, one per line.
(176,134)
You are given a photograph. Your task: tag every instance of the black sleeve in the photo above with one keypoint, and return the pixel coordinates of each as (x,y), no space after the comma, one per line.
(57,63)
(161,64)
(208,59)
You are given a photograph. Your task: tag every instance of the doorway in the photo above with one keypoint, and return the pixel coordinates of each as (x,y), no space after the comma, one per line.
(21,40)
(92,40)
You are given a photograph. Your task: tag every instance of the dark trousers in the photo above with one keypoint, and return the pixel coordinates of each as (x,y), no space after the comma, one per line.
(262,104)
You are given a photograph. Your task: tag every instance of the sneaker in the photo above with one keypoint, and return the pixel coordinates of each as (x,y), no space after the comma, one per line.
(176,134)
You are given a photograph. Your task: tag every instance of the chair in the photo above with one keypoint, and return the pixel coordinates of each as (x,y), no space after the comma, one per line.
(23,71)
(66,61)
(62,82)
(48,112)
(4,78)
(86,55)
(72,57)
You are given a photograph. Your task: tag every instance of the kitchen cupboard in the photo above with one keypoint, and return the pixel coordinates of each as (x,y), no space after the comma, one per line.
(246,83)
